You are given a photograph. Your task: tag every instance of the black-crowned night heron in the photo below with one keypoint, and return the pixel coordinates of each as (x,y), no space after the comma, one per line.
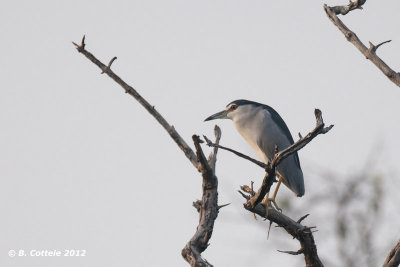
(263,128)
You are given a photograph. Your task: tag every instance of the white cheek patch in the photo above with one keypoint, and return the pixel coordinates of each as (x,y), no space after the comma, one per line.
(230,114)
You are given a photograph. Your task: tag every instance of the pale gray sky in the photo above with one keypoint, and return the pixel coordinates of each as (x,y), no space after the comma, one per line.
(83,166)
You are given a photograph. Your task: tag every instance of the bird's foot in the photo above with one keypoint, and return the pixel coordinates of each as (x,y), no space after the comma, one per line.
(272,200)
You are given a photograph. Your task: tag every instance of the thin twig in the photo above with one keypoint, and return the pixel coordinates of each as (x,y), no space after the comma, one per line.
(109,67)
(372,48)
(212,158)
(248,190)
(211,144)
(244,195)
(300,251)
(269,227)
(224,205)
(80,47)
(302,218)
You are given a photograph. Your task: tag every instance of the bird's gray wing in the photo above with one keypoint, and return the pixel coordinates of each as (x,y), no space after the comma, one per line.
(276,118)
(276,133)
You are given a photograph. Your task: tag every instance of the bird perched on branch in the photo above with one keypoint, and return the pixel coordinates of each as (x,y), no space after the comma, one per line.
(263,128)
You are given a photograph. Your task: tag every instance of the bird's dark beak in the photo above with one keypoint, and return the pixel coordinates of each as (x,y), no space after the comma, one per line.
(219,115)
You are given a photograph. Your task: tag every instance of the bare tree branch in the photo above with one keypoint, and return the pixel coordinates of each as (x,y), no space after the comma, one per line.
(302,233)
(151,109)
(212,159)
(257,162)
(208,206)
(393,258)
(369,53)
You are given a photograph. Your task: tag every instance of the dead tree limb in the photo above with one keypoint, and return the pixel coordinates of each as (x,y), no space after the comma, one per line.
(151,109)
(208,206)
(237,153)
(393,258)
(302,233)
(369,53)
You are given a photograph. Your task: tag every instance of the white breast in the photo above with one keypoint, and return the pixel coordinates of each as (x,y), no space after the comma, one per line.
(249,127)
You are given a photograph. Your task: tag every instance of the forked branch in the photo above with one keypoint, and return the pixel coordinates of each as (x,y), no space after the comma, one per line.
(369,53)
(208,206)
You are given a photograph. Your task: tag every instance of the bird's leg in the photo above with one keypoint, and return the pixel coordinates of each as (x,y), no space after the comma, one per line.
(265,202)
(272,199)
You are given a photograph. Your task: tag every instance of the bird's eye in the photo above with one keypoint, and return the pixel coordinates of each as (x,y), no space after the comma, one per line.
(233,107)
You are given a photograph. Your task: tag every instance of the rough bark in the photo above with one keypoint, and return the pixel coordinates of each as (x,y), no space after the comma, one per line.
(208,210)
(298,231)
